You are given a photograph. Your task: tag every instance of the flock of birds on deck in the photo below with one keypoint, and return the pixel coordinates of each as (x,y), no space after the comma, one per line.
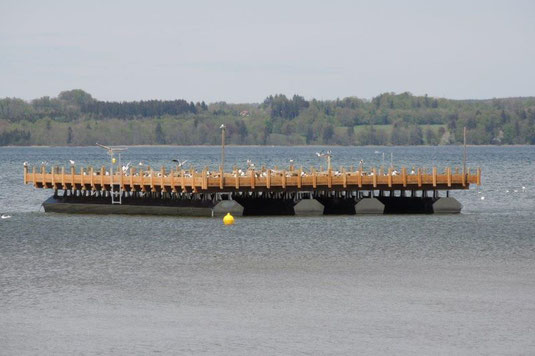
(237,173)
(180,164)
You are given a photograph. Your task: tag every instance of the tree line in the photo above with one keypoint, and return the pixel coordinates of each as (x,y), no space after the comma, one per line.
(74,117)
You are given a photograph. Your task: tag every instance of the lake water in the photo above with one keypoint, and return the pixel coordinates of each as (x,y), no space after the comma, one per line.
(401,284)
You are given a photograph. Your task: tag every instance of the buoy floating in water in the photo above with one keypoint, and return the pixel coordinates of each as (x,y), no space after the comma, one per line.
(228,219)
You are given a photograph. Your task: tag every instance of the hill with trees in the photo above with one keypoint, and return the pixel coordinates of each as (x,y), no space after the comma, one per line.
(74,117)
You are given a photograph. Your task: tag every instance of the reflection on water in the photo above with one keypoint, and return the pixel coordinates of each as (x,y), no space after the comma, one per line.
(333,284)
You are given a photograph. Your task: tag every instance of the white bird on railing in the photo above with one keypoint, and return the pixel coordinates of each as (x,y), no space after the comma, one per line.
(125,168)
(72,162)
(523,189)
(140,164)
(5,216)
(44,163)
(25,164)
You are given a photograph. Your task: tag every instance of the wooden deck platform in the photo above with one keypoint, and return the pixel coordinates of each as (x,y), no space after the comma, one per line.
(275,180)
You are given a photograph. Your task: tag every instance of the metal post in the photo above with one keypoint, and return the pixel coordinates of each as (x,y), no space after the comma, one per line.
(223,147)
(464,159)
(111,150)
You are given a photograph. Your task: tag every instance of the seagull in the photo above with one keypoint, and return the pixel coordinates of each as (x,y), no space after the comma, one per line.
(482,198)
(5,216)
(25,164)
(515,191)
(179,164)
(318,154)
(291,161)
(125,168)
(523,189)
(140,164)
(72,162)
(44,163)
(507,191)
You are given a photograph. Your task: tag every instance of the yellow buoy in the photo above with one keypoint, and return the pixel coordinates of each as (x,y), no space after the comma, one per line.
(113,160)
(228,219)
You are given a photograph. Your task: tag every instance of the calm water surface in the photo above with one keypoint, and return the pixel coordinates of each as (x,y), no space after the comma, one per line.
(458,284)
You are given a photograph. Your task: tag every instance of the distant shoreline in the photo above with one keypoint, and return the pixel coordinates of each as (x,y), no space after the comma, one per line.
(383,146)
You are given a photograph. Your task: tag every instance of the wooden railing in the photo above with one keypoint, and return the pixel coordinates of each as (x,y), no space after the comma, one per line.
(265,179)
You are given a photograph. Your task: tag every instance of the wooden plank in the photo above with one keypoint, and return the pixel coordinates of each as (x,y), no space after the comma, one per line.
(434,176)
(192,181)
(419,177)
(221,177)
(63,186)
(73,172)
(344,178)
(151,172)
(162,182)
(92,178)
(448,172)
(404,176)
(330,178)
(253,178)
(53,171)
(82,184)
(299,177)
(283,181)
(172,174)
(314,179)
(374,171)
(268,179)
(390,177)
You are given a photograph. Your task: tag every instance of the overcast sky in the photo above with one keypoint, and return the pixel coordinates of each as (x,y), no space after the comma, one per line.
(237,51)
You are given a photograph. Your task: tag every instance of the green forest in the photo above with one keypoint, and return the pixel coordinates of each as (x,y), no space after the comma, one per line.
(74,117)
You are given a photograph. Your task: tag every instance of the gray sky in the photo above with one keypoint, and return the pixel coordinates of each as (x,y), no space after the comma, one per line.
(240,51)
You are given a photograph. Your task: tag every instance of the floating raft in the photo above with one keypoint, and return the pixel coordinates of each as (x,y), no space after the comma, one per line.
(253,192)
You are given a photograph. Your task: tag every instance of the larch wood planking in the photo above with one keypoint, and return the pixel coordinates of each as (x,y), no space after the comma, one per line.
(251,180)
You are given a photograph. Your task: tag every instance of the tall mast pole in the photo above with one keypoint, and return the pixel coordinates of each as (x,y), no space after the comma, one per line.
(464,158)
(223,147)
